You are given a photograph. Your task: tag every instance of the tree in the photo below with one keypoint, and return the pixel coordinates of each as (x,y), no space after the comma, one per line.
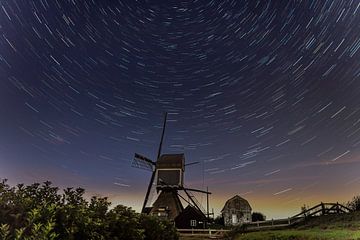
(257,216)
(354,204)
(219,220)
(123,223)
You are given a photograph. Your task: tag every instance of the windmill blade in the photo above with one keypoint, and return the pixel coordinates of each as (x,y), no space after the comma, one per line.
(151,183)
(152,193)
(143,162)
(194,201)
(196,190)
(192,163)
(162,136)
(141,157)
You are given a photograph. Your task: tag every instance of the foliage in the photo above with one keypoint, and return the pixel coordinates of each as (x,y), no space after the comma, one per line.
(155,229)
(219,220)
(257,216)
(354,204)
(124,224)
(236,230)
(40,212)
(303,209)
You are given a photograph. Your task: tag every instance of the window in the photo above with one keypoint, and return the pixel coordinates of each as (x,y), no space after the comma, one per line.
(192,223)
(162,214)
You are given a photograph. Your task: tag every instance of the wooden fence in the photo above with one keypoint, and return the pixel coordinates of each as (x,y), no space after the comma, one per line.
(210,233)
(318,210)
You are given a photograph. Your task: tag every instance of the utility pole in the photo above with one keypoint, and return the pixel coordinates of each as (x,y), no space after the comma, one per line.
(207,202)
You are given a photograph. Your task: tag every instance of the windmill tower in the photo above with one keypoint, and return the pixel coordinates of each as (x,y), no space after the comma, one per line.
(168,180)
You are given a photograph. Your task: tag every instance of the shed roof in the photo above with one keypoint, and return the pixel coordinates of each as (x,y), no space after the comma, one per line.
(192,211)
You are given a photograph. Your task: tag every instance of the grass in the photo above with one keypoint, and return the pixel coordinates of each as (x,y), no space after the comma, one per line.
(331,227)
(312,234)
(294,234)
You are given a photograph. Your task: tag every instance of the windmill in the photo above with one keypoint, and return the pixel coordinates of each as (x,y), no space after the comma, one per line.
(168,180)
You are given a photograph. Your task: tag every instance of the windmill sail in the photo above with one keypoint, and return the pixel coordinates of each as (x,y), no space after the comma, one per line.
(162,136)
(152,194)
(142,162)
(154,172)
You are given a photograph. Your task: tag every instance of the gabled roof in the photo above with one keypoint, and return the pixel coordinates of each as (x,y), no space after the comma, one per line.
(191,211)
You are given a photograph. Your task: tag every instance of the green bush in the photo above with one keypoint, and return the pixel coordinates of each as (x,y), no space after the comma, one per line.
(156,229)
(39,212)
(257,216)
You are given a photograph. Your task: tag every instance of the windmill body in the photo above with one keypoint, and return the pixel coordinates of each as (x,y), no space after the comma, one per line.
(170,171)
(167,179)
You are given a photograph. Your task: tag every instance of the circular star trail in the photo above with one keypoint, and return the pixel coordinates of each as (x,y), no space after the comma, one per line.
(265,94)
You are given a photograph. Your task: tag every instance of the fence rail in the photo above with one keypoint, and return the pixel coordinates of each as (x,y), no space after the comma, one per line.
(318,210)
(211,233)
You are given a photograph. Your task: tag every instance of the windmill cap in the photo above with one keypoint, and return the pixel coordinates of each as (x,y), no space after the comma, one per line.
(171,161)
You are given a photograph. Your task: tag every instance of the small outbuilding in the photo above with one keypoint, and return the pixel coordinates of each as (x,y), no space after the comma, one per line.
(236,211)
(189,218)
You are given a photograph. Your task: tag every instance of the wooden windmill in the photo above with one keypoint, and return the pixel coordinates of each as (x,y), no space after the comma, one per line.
(168,180)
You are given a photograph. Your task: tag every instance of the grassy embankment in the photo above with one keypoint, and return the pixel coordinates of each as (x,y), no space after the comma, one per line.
(334,227)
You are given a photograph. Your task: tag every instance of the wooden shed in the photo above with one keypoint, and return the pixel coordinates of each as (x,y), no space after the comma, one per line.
(189,218)
(236,211)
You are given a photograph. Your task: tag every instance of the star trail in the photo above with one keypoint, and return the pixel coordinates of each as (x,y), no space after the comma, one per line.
(265,94)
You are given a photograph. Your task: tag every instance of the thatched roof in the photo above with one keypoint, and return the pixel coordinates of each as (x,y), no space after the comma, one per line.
(236,202)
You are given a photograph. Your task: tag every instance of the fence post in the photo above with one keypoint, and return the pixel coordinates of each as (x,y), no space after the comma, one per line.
(322,208)
(288,220)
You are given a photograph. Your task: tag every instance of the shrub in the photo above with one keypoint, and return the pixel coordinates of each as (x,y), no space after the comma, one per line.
(39,212)
(156,229)
(354,204)
(257,216)
(123,223)
(219,220)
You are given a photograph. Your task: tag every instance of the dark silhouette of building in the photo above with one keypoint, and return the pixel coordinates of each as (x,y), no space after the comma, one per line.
(190,217)
(167,180)
(236,211)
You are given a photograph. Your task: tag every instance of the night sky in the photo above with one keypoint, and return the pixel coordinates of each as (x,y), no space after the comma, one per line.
(265,94)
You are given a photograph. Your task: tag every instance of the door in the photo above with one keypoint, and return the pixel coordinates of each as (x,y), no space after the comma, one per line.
(234,219)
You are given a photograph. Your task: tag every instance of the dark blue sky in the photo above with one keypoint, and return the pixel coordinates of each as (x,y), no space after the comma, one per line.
(264,93)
